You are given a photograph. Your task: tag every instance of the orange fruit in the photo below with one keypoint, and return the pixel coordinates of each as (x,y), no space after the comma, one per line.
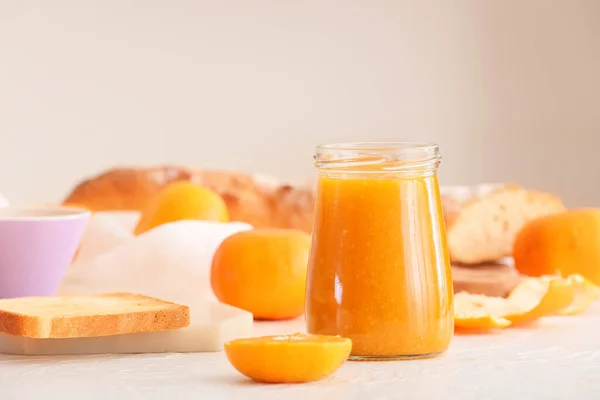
(183,200)
(263,271)
(565,243)
(293,358)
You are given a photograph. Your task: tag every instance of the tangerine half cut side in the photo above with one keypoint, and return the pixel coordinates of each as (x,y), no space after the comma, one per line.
(295,358)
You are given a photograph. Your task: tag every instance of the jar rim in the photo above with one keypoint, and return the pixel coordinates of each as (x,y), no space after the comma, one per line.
(380,146)
(378,156)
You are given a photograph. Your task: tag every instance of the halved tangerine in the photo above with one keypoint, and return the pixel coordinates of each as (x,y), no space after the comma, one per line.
(288,358)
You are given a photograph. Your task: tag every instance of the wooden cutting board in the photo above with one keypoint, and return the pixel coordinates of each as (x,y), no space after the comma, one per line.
(494,279)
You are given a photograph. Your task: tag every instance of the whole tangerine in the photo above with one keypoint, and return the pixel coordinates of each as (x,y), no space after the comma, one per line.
(263,271)
(565,243)
(183,200)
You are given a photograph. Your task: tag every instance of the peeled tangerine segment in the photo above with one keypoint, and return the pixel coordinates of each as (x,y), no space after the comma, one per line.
(532,299)
(288,358)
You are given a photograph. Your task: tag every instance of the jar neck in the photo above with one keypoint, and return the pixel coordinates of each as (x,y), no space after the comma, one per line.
(378,158)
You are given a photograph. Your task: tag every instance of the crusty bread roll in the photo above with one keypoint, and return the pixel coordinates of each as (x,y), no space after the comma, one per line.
(257,200)
(482,221)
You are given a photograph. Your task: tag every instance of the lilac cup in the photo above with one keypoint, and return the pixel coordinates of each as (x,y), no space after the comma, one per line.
(36,247)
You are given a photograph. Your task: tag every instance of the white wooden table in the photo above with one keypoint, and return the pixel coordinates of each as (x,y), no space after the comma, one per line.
(558,360)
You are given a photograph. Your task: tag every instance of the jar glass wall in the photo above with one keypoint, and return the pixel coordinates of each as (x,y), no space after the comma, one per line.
(379,270)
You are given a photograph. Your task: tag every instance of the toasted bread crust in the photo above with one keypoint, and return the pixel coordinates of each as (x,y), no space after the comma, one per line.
(89,316)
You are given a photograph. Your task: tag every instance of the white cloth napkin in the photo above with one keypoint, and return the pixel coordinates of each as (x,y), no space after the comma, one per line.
(171,262)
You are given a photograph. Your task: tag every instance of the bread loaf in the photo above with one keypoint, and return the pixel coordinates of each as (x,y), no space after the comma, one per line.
(89,316)
(257,200)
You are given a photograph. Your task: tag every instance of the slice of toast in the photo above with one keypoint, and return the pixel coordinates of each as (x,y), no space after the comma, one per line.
(212,324)
(89,316)
(482,222)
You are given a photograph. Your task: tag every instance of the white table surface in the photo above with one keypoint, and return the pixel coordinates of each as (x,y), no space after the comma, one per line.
(560,359)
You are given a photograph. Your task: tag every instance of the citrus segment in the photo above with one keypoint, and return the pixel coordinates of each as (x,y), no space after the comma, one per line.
(288,358)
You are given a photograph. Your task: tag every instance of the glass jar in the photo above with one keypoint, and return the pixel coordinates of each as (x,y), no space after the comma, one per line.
(379,271)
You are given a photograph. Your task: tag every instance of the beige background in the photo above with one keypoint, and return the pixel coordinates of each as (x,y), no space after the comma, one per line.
(510,89)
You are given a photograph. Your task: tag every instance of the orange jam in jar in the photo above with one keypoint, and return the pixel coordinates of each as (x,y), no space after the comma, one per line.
(379,271)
